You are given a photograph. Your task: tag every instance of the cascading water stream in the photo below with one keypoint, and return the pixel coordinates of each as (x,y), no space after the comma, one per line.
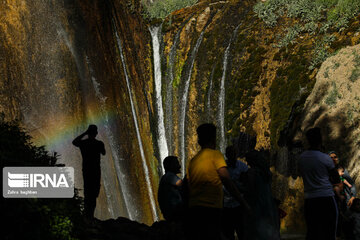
(81,71)
(184,99)
(161,137)
(109,137)
(62,33)
(131,210)
(208,98)
(169,122)
(169,91)
(145,167)
(221,112)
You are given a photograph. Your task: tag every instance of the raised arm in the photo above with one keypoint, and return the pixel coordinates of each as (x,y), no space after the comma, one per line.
(231,187)
(78,139)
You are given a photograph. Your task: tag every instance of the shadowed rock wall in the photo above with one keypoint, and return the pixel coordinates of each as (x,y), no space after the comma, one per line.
(65,64)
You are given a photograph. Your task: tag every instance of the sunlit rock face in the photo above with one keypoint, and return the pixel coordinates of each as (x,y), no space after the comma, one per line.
(333,105)
(61,70)
(64,65)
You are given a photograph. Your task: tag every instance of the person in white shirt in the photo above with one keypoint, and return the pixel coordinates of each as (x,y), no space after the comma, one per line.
(316,169)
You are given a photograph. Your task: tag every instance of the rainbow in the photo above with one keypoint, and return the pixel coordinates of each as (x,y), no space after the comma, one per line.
(59,132)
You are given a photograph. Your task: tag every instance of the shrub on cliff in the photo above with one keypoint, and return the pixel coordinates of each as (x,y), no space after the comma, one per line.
(325,13)
(33,218)
(317,17)
(162,8)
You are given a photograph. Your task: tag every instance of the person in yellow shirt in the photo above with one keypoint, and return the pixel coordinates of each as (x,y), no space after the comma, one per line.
(206,174)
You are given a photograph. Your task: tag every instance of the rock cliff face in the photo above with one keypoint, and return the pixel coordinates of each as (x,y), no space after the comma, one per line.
(61,69)
(149,85)
(334,105)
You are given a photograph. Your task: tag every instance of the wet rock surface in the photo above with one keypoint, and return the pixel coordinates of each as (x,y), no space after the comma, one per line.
(61,69)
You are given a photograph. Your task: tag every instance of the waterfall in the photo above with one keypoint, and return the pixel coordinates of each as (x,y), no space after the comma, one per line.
(161,137)
(62,33)
(109,137)
(208,98)
(81,71)
(131,210)
(169,91)
(184,99)
(145,167)
(221,112)
(169,86)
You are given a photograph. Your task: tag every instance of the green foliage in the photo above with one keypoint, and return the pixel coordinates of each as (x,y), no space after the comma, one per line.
(355,74)
(350,115)
(313,17)
(332,13)
(17,150)
(290,37)
(333,96)
(61,227)
(356,58)
(290,87)
(326,73)
(268,11)
(32,218)
(336,65)
(321,52)
(243,91)
(162,8)
(179,64)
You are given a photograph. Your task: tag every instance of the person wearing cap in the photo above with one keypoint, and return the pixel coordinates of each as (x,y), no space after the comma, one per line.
(90,148)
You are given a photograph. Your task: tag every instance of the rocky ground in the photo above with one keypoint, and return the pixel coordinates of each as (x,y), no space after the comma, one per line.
(125,229)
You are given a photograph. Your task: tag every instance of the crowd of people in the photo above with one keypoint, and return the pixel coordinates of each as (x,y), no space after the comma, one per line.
(220,199)
(331,207)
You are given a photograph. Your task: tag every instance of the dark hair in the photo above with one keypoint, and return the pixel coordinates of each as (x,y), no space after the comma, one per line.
(257,160)
(339,167)
(206,133)
(332,152)
(244,143)
(230,152)
(169,162)
(313,135)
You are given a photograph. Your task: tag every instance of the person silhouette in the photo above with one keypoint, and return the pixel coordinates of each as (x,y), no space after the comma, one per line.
(233,216)
(350,188)
(91,149)
(206,174)
(318,172)
(169,194)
